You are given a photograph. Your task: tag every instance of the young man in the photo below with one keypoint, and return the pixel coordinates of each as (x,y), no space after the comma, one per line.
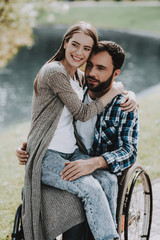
(111,137)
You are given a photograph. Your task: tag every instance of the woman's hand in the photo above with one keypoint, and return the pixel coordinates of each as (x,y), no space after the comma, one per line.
(130,103)
(22,154)
(116,89)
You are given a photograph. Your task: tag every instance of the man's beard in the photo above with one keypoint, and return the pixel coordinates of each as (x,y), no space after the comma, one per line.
(104,86)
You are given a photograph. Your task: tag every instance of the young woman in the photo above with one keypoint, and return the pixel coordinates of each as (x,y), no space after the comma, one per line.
(57,98)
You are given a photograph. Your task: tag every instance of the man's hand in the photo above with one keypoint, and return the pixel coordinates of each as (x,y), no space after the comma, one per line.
(78,168)
(130,103)
(22,154)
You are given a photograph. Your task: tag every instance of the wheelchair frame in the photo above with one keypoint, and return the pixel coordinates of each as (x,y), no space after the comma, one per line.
(134,213)
(134,207)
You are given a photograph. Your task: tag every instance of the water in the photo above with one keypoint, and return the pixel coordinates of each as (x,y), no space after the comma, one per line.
(140,71)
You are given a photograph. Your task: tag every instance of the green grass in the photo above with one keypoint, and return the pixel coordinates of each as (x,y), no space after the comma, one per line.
(149,143)
(113,17)
(11,174)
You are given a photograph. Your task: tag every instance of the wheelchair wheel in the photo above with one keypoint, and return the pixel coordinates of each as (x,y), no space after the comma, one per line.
(17,233)
(134,208)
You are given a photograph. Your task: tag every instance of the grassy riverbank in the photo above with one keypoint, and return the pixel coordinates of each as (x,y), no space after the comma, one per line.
(121,15)
(11,174)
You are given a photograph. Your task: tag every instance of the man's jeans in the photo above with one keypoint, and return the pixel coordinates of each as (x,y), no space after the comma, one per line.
(98,192)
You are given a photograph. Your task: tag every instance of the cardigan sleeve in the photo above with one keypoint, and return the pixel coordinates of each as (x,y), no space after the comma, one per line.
(58,80)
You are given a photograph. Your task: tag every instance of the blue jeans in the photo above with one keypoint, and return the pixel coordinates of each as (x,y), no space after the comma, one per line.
(98,192)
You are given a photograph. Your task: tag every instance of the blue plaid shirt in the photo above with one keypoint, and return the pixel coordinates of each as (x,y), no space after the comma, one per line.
(116,136)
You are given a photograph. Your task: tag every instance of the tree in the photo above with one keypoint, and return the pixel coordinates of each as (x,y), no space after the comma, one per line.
(17,17)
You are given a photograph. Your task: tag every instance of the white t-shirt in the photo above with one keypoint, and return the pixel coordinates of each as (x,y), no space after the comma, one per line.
(64,139)
(86,129)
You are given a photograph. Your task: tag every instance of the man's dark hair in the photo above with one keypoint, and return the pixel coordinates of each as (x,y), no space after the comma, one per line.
(114,50)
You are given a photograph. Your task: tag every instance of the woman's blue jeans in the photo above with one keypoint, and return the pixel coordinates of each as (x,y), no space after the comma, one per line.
(98,192)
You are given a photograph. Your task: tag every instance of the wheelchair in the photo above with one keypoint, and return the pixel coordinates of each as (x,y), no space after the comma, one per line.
(134,207)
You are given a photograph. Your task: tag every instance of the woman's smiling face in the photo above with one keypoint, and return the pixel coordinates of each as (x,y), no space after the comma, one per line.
(77,50)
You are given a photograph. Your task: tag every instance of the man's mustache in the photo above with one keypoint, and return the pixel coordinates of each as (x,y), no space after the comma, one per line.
(92,78)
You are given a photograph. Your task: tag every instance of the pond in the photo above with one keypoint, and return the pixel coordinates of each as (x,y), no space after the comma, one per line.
(140,71)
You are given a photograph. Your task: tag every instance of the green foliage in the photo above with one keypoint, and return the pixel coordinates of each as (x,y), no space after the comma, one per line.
(16,21)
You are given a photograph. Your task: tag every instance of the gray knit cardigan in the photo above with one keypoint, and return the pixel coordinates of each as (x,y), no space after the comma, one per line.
(43,206)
